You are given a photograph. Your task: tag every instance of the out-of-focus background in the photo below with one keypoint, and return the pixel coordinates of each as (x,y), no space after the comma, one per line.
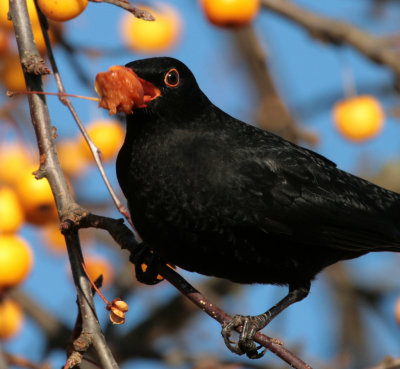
(322,89)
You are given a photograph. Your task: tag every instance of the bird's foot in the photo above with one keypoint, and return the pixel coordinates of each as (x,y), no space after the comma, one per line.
(245,345)
(146,265)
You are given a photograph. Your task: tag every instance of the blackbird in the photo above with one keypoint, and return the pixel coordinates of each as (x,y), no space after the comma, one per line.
(217,196)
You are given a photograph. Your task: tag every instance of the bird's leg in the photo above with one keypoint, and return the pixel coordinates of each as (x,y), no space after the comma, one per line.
(146,265)
(252,324)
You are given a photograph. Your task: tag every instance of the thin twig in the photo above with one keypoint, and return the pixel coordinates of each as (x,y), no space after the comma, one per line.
(129,243)
(59,94)
(51,169)
(66,101)
(124,4)
(219,315)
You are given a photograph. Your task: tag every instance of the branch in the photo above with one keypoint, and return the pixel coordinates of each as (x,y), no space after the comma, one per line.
(337,33)
(165,319)
(272,113)
(130,244)
(66,101)
(219,315)
(124,4)
(33,66)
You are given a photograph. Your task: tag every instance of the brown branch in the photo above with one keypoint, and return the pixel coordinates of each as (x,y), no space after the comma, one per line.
(272,113)
(184,287)
(124,4)
(166,318)
(219,315)
(50,168)
(66,101)
(337,33)
(91,332)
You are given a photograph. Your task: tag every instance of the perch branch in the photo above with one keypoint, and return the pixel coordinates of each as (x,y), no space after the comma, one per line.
(128,242)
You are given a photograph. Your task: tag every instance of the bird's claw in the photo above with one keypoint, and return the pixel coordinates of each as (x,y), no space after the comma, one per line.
(246,344)
(146,265)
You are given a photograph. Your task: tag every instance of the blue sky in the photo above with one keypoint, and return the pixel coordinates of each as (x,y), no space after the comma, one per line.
(304,71)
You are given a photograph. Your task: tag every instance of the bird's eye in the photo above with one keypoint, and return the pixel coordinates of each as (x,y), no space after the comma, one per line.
(171,78)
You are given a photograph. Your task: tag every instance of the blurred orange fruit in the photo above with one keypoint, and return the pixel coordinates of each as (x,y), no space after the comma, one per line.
(11,318)
(13,161)
(53,238)
(11,213)
(39,39)
(108,136)
(151,36)
(359,118)
(4,41)
(97,266)
(11,75)
(36,199)
(72,160)
(16,260)
(7,24)
(62,10)
(230,13)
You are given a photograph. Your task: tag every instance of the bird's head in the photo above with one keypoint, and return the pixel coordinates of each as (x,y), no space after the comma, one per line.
(161,86)
(166,82)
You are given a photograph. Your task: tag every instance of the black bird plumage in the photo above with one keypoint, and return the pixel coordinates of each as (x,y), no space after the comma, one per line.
(214,195)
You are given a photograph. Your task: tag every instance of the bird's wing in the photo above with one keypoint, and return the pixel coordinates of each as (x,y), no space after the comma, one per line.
(298,194)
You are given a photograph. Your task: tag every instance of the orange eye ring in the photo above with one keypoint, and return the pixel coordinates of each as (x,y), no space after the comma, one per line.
(171,78)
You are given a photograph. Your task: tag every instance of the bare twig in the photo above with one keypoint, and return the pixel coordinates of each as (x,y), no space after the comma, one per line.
(91,332)
(216,313)
(124,4)
(128,242)
(166,318)
(50,168)
(66,101)
(59,94)
(337,32)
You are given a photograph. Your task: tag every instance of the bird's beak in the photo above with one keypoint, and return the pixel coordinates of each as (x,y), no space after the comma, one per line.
(122,90)
(150,92)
